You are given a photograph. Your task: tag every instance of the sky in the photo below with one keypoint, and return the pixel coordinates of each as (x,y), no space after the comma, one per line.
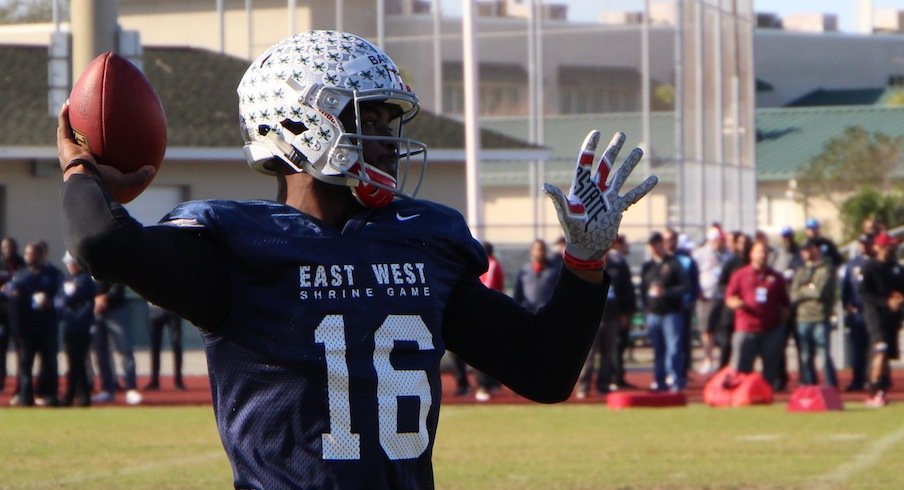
(845,9)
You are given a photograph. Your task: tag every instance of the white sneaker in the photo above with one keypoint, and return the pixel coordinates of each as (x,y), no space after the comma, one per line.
(877,401)
(482,395)
(103,397)
(133,397)
(15,401)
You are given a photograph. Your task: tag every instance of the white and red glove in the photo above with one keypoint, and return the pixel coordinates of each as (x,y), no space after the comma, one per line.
(592,212)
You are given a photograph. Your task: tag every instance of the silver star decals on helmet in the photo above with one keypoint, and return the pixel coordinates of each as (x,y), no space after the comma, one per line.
(312,118)
(274,92)
(309,142)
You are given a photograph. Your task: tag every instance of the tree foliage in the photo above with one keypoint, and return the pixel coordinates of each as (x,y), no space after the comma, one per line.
(896,98)
(870,203)
(664,97)
(850,161)
(25,11)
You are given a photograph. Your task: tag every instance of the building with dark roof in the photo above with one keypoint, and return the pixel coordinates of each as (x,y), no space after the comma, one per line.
(203,159)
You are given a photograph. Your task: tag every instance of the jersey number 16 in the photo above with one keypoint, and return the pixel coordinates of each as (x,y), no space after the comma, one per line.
(340,442)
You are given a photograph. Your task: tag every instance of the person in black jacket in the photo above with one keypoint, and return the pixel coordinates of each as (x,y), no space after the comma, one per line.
(76,306)
(882,290)
(741,245)
(826,245)
(620,306)
(663,289)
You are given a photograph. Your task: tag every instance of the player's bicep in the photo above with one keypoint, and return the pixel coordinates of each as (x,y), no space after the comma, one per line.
(185,272)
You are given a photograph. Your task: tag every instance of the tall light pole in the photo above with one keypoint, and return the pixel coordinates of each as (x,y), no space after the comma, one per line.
(94,27)
(472,124)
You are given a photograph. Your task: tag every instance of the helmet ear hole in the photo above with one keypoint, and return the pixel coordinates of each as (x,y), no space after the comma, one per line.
(295,127)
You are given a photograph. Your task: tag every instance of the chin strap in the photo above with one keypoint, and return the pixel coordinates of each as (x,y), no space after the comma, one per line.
(373,190)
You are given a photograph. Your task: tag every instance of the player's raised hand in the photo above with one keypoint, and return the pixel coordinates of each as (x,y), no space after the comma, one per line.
(70,153)
(591,213)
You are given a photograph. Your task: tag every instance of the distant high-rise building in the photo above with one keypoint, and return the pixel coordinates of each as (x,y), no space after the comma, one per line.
(811,22)
(865,16)
(889,21)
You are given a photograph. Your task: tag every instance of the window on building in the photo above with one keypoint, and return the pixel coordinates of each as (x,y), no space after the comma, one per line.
(585,89)
(503,89)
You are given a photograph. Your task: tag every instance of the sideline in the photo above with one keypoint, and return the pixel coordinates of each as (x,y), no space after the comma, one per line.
(80,480)
(862,461)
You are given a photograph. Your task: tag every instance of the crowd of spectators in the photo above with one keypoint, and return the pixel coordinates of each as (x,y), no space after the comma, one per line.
(745,298)
(742,296)
(40,306)
(749,297)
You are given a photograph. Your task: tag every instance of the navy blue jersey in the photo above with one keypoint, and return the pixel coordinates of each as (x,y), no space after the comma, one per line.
(75,303)
(326,371)
(32,311)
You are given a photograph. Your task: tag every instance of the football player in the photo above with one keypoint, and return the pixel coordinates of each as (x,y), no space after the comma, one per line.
(325,313)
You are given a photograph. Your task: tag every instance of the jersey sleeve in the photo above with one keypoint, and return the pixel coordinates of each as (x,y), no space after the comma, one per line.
(537,355)
(178,268)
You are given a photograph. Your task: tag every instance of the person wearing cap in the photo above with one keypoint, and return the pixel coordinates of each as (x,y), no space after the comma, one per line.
(852,303)
(787,255)
(882,290)
(678,246)
(75,302)
(812,298)
(710,258)
(758,296)
(829,249)
(663,288)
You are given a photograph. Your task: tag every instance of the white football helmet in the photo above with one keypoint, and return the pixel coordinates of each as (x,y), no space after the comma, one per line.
(291,99)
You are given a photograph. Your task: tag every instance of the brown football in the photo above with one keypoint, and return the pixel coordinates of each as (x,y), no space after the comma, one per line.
(117,115)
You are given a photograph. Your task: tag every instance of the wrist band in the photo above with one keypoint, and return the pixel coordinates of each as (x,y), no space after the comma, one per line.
(75,162)
(583,265)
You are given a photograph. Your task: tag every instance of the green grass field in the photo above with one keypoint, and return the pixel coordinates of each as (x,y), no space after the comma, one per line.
(490,447)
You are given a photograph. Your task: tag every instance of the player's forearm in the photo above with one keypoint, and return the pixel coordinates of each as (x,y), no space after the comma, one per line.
(174,268)
(538,355)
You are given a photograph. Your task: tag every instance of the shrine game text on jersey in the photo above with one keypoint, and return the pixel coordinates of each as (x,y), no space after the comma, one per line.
(341,281)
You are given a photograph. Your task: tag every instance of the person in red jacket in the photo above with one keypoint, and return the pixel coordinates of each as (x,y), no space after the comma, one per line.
(494,277)
(759,298)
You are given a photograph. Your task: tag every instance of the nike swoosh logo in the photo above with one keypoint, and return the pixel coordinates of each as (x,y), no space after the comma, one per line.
(406,218)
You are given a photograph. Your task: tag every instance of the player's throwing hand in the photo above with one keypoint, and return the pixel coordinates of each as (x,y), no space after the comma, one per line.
(591,214)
